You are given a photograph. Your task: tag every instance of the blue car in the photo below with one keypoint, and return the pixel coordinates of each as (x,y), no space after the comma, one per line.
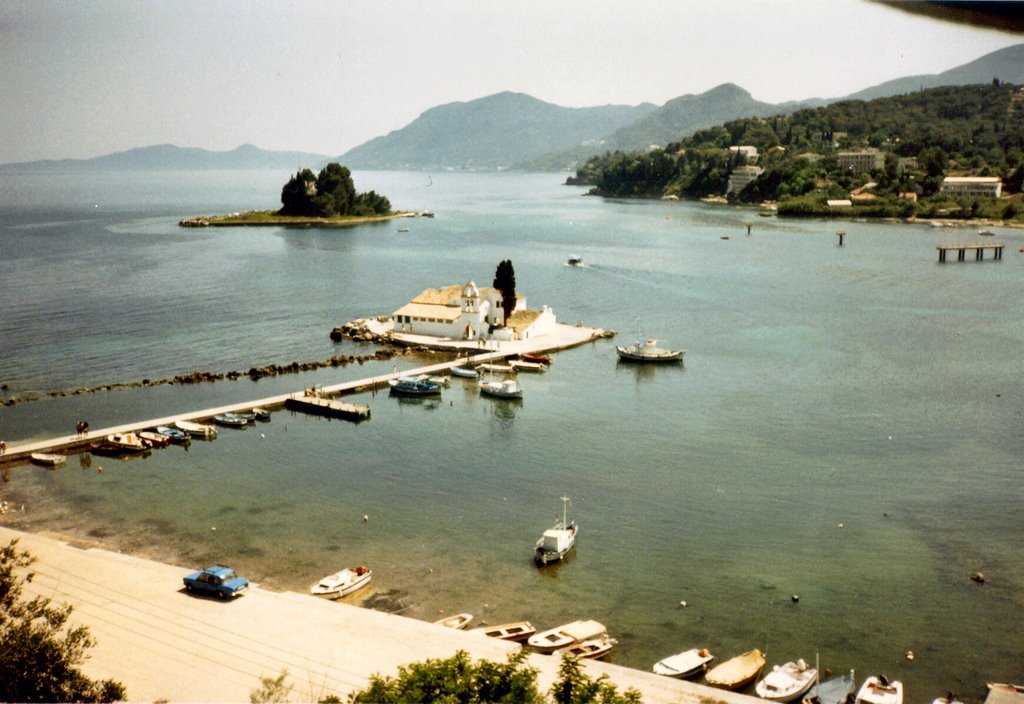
(218,581)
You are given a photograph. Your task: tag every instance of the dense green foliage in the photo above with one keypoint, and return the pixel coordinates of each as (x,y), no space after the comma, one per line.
(966,130)
(39,662)
(459,680)
(330,194)
(505,281)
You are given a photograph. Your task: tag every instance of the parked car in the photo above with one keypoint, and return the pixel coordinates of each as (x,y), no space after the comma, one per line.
(218,580)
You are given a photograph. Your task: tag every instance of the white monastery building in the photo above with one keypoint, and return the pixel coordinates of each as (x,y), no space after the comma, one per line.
(470,313)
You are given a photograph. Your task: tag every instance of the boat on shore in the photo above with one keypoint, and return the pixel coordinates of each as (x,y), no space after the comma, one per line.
(879,690)
(343,583)
(558,540)
(48,459)
(590,649)
(832,691)
(515,631)
(196,430)
(688,663)
(458,621)
(736,672)
(786,682)
(508,388)
(464,372)
(565,635)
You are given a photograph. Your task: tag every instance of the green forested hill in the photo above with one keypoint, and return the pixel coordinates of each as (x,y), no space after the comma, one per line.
(964,130)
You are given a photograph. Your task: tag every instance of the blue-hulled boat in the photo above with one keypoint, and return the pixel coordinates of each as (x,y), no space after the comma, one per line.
(414,386)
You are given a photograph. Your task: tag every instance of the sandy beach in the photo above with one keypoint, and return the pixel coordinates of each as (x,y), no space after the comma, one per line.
(164,644)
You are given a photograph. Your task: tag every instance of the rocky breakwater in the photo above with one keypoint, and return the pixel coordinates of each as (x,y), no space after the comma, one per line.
(376,330)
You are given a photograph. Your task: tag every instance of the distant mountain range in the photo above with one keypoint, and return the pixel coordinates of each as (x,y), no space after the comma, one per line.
(516,131)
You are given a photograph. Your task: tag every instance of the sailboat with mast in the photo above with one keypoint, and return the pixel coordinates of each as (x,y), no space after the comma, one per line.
(559,540)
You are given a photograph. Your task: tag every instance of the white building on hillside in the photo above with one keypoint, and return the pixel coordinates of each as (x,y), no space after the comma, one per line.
(470,313)
(973,186)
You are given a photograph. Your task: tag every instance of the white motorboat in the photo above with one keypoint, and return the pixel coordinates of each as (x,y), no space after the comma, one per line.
(515,631)
(786,682)
(591,649)
(688,663)
(832,691)
(458,621)
(566,635)
(343,583)
(736,672)
(879,690)
(196,430)
(558,540)
(507,388)
(127,442)
(47,459)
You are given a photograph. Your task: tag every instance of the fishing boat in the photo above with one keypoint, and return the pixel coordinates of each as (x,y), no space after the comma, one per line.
(566,635)
(591,649)
(261,414)
(647,350)
(558,540)
(507,388)
(47,459)
(127,442)
(343,583)
(154,439)
(786,682)
(879,690)
(464,372)
(414,386)
(736,672)
(832,691)
(197,430)
(230,420)
(458,621)
(688,663)
(173,434)
(515,631)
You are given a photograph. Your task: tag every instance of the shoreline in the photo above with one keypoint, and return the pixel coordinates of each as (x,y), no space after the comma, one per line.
(143,620)
(270,218)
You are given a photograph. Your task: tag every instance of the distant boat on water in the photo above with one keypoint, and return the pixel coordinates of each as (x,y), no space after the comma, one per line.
(48,459)
(557,541)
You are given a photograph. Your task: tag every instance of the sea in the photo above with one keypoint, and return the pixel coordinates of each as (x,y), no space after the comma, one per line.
(840,451)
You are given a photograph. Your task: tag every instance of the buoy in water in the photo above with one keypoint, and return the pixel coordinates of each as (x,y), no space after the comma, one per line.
(977,577)
(365,518)
(683,604)
(796,598)
(909,655)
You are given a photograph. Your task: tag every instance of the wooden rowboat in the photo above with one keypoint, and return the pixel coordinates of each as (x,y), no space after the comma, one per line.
(516,631)
(736,672)
(47,459)
(685,664)
(458,621)
(591,649)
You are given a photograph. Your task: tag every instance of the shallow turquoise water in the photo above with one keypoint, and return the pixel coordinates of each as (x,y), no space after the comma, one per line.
(847,427)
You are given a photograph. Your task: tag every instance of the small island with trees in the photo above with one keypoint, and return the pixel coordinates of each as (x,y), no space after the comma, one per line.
(327,199)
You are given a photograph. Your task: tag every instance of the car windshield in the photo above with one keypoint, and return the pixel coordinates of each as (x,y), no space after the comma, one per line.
(227,575)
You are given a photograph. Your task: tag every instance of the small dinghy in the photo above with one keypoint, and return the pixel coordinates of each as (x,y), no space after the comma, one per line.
(464,372)
(261,414)
(591,649)
(688,663)
(832,691)
(48,459)
(516,631)
(736,672)
(879,690)
(231,420)
(197,430)
(173,434)
(458,621)
(566,635)
(786,682)
(127,442)
(153,439)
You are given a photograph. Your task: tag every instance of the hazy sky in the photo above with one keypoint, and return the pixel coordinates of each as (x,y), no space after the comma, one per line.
(83,79)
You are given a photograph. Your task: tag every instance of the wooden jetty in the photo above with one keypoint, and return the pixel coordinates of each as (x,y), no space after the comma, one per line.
(312,402)
(978,247)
